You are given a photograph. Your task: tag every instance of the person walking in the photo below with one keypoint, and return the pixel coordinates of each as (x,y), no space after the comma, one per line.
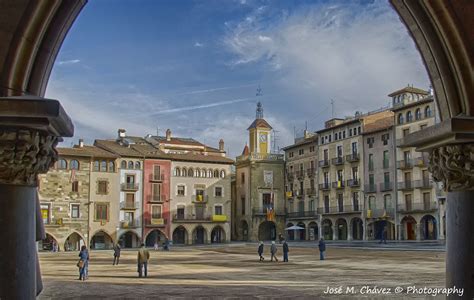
(142,261)
(116,254)
(166,245)
(383,236)
(156,246)
(83,263)
(273,251)
(286,249)
(260,251)
(322,248)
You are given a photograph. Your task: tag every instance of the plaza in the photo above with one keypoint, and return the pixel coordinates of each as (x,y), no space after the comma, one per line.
(232,271)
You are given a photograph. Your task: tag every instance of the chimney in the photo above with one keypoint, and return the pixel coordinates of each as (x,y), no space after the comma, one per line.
(122,133)
(221,145)
(168,134)
(81,143)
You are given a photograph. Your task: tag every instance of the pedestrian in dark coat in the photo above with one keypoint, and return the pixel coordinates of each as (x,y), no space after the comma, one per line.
(322,249)
(286,249)
(116,254)
(273,251)
(142,259)
(83,263)
(260,251)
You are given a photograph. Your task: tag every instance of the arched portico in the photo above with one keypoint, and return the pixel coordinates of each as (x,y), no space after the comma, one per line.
(74,242)
(218,235)
(442,30)
(357,228)
(313,231)
(199,235)
(429,228)
(267,231)
(49,243)
(327,230)
(341,229)
(155,236)
(180,236)
(101,240)
(409,226)
(244,230)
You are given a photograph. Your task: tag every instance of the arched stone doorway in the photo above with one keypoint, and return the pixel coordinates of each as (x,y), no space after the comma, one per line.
(199,236)
(290,233)
(244,229)
(429,228)
(48,244)
(74,242)
(357,229)
(341,227)
(101,240)
(327,231)
(129,239)
(218,235)
(313,231)
(267,231)
(301,233)
(180,235)
(408,228)
(155,236)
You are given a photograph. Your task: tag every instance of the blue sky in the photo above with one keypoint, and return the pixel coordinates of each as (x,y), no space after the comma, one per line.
(194,66)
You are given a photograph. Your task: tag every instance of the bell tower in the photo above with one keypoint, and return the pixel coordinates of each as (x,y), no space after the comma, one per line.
(259,133)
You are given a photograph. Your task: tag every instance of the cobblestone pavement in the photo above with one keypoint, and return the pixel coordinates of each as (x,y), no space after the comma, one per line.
(234,272)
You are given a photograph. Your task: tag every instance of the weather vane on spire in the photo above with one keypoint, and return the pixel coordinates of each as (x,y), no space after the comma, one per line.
(259,114)
(259,91)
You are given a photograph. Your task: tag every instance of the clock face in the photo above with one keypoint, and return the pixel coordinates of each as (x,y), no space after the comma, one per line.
(263,137)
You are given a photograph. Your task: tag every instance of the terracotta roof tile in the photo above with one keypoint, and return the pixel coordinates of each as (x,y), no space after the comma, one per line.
(86,151)
(260,123)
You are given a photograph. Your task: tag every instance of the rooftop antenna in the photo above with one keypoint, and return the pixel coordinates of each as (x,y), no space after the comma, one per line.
(157,131)
(332,108)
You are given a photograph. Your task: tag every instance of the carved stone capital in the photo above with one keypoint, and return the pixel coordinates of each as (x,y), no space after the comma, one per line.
(454,166)
(24,154)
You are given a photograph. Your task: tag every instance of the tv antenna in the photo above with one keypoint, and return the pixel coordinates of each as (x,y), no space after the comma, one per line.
(332,108)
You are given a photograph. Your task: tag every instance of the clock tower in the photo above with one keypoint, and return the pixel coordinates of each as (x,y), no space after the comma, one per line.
(259,133)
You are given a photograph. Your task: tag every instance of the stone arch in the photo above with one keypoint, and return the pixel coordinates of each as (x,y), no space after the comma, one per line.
(408,228)
(180,235)
(101,240)
(200,235)
(74,242)
(267,231)
(49,243)
(313,231)
(301,233)
(429,228)
(155,236)
(244,230)
(326,229)
(129,239)
(341,229)
(218,235)
(357,228)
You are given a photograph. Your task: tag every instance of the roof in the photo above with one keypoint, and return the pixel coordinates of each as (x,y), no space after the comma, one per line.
(412,104)
(259,123)
(355,120)
(409,89)
(115,147)
(180,141)
(246,150)
(200,158)
(379,125)
(304,141)
(85,151)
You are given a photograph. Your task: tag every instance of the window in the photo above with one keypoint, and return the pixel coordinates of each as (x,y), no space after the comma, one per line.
(311,149)
(267,200)
(137,165)
(177,172)
(340,202)
(427,112)
(359,130)
(408,202)
(417,114)
(400,118)
(74,165)
(301,151)
(96,166)
(350,131)
(75,186)
(340,177)
(218,191)
(74,210)
(130,200)
(222,174)
(335,136)
(409,116)
(371,202)
(291,154)
(406,132)
(326,203)
(184,172)
(216,173)
(370,142)
(111,166)
(344,134)
(355,201)
(123,164)
(355,174)
(242,205)
(180,212)
(45,213)
(354,148)
(62,164)
(330,138)
(130,164)
(242,177)
(385,138)
(386,159)
(103,166)
(156,190)
(102,187)
(371,162)
(371,183)
(386,178)
(209,173)
(181,190)
(101,212)
(156,211)
(311,205)
(197,173)
(426,200)
(218,210)
(340,135)
(339,151)
(190,172)
(387,201)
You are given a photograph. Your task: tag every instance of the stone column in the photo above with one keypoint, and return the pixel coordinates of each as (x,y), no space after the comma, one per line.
(454,165)
(418,231)
(30,128)
(349,231)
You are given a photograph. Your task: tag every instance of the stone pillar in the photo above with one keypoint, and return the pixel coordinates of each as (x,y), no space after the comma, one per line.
(418,231)
(30,128)
(349,231)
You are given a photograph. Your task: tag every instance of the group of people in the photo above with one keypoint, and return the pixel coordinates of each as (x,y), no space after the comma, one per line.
(286,250)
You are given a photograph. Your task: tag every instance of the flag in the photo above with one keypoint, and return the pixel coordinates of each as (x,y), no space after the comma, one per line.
(73,176)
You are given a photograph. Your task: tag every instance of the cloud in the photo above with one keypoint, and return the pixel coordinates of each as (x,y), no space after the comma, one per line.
(198,44)
(355,54)
(68,62)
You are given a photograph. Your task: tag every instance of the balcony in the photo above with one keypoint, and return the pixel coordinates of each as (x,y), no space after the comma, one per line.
(338,161)
(417,207)
(370,188)
(353,183)
(324,186)
(300,174)
(341,209)
(302,215)
(423,184)
(219,218)
(311,172)
(157,177)
(126,205)
(130,224)
(354,157)
(380,213)
(156,222)
(339,184)
(156,198)
(129,186)
(324,163)
(200,198)
(405,185)
(422,161)
(191,218)
(405,164)
(311,192)
(386,186)
(262,211)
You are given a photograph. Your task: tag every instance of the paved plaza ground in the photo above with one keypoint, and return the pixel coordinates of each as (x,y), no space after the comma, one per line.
(234,272)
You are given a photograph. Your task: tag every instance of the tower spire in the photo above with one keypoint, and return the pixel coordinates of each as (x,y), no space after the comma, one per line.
(259,113)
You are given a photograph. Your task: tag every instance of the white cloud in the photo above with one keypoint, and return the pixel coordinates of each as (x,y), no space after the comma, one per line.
(198,44)
(263,38)
(69,62)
